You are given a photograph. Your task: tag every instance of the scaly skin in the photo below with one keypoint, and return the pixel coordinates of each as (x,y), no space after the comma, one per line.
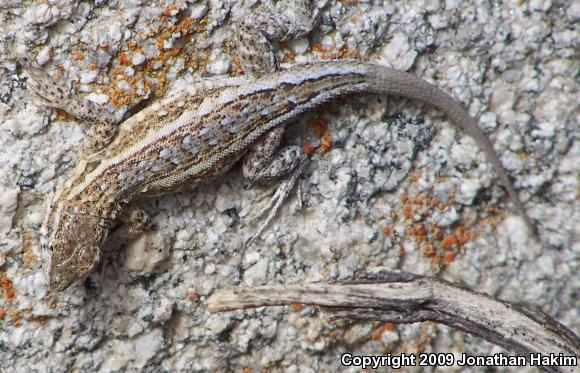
(199,133)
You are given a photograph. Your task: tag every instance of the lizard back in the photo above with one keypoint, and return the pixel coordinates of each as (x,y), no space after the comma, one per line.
(193,137)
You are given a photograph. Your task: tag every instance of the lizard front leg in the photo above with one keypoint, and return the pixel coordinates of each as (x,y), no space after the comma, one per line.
(134,221)
(142,245)
(53,92)
(256,28)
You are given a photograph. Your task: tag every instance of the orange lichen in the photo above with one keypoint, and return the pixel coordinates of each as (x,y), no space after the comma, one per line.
(124,58)
(317,48)
(9,292)
(239,68)
(289,58)
(449,242)
(420,230)
(160,41)
(38,319)
(420,233)
(333,53)
(345,53)
(377,333)
(78,55)
(437,234)
(436,261)
(415,176)
(335,334)
(309,149)
(463,236)
(319,126)
(422,199)
(171,10)
(448,257)
(438,244)
(297,307)
(428,250)
(14,315)
(326,143)
(408,212)
(390,327)
(192,297)
(186,27)
(153,71)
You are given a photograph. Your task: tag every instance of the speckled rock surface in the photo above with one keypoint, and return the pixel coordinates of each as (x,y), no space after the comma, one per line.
(399,187)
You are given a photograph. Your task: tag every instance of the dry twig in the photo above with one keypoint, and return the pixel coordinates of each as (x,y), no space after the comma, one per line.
(400,297)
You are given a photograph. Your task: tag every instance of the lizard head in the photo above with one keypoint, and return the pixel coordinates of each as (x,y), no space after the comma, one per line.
(71,242)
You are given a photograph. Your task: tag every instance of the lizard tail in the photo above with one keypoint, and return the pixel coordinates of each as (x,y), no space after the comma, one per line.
(398,83)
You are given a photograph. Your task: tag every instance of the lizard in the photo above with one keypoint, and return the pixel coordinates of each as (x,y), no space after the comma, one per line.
(200,132)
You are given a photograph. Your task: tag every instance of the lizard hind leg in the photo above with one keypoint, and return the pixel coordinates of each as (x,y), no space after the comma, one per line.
(266,163)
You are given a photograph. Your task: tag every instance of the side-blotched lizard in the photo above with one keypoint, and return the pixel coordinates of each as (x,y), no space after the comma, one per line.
(199,133)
